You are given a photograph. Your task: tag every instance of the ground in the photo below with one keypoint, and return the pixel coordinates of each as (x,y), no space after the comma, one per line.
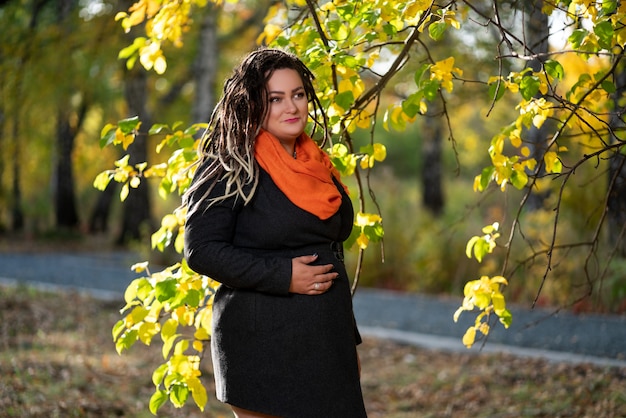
(57,359)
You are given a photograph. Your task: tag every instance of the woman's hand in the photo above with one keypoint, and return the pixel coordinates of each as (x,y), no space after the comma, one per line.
(310,280)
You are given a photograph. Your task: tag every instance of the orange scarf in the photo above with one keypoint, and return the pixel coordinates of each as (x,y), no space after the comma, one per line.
(305,180)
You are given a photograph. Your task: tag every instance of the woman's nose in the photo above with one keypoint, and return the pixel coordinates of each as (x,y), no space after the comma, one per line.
(291,106)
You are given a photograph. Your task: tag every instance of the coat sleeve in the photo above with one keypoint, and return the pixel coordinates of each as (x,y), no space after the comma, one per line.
(209,250)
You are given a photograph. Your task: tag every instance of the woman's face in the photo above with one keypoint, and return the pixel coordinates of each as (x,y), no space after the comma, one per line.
(288,105)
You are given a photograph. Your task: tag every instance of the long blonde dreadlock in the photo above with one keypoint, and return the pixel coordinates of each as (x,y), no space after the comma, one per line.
(227,147)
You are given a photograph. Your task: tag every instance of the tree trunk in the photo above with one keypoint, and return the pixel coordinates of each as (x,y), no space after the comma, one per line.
(205,68)
(432,191)
(99,219)
(3,152)
(17,212)
(616,203)
(537,33)
(136,215)
(64,185)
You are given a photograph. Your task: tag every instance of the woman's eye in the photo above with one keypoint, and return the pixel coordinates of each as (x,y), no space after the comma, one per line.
(274,99)
(300,95)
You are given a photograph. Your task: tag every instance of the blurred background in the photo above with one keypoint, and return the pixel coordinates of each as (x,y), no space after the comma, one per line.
(61,82)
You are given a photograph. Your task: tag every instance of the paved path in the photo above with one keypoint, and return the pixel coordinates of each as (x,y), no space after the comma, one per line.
(409,318)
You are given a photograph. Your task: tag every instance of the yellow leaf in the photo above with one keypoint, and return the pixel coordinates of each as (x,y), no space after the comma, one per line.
(120,16)
(124,192)
(128,139)
(362,241)
(135,181)
(201,334)
(469,337)
(169,329)
(414,10)
(203,319)
(499,305)
(122,162)
(380,152)
(169,221)
(442,71)
(457,314)
(367,219)
(198,392)
(365,162)
(160,64)
(102,180)
(470,246)
(139,267)
(499,280)
(270,32)
(553,163)
(147,330)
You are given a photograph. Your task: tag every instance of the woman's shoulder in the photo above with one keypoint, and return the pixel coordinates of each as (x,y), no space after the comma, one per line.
(213,186)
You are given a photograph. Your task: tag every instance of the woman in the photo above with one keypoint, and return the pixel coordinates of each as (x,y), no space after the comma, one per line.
(267,216)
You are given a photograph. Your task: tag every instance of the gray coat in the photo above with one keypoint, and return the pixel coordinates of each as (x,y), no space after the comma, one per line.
(288,355)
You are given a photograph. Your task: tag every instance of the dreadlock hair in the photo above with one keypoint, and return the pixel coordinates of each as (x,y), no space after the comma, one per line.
(227,146)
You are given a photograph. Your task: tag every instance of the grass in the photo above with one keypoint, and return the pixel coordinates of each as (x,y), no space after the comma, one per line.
(57,359)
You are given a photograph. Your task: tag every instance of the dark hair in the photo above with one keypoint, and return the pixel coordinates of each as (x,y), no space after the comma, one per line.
(227,147)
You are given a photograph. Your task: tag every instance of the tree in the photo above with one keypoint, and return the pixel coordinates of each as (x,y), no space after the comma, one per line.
(342,42)
(64,190)
(537,37)
(616,202)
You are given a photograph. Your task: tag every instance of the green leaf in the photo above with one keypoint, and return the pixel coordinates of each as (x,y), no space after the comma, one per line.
(118,328)
(193,298)
(608,7)
(496,91)
(519,179)
(506,318)
(129,125)
(109,136)
(126,341)
(166,187)
(157,400)
(431,89)
(529,86)
(389,29)
(157,128)
(577,37)
(436,30)
(159,374)
(411,105)
(178,395)
(485,177)
(470,246)
(481,248)
(604,31)
(420,73)
(608,86)
(166,289)
(345,99)
(554,69)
